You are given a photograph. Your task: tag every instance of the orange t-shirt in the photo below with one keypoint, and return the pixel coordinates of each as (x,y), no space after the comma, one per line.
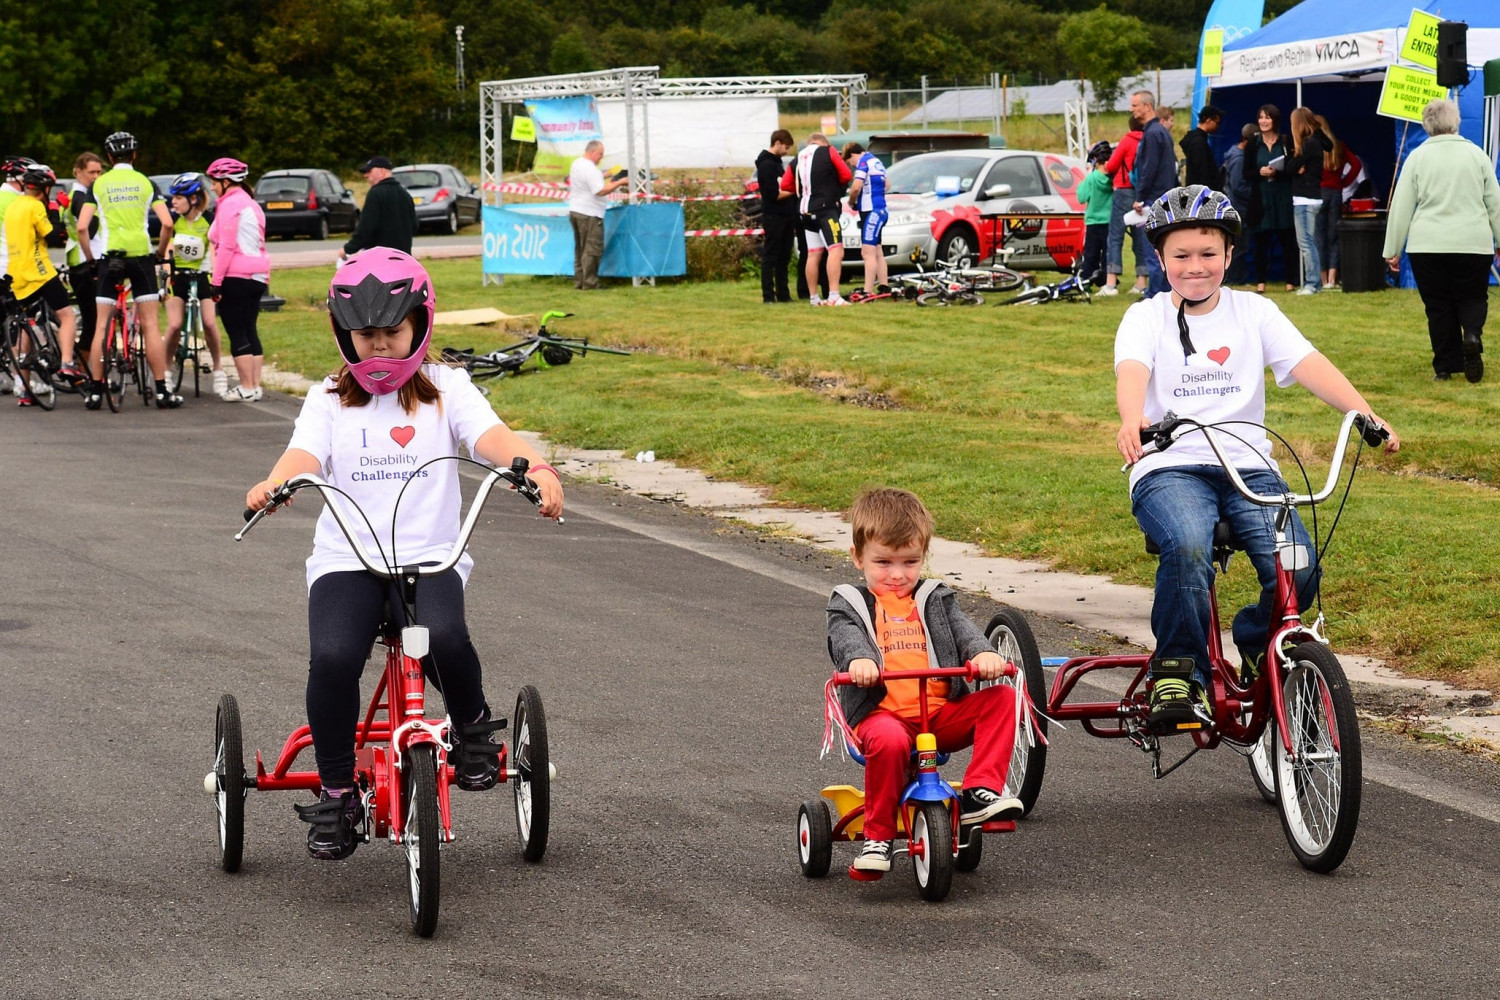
(903,644)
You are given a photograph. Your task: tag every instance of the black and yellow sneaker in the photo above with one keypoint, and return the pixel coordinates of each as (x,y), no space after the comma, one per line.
(1172,697)
(1251,664)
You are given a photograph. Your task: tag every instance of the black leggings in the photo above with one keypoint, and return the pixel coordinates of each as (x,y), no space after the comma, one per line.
(344,612)
(81,277)
(239,307)
(1291,257)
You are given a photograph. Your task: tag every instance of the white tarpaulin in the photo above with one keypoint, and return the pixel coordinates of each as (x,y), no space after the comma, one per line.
(1359,51)
(698,132)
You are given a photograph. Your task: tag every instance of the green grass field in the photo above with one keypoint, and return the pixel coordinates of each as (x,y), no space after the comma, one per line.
(1003,421)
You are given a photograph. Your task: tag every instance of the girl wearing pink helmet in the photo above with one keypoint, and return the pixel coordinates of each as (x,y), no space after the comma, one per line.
(242,271)
(369,430)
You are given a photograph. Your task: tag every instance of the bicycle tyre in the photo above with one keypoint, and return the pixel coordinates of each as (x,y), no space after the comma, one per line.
(814,838)
(970,848)
(115,366)
(933,299)
(1010,635)
(140,366)
(423,868)
(1029,297)
(229,777)
(532,785)
(1262,769)
(193,330)
(932,850)
(1319,804)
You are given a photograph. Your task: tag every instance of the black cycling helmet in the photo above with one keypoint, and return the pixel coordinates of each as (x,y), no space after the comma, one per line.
(1194,206)
(1099,151)
(39,176)
(12,167)
(119,144)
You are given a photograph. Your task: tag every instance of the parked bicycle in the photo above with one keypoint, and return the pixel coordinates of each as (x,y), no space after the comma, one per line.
(1072,288)
(548,350)
(29,351)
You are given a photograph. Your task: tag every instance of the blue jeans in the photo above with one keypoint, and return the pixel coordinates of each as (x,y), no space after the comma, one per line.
(1328,228)
(1114,255)
(1157,283)
(1305,218)
(1178,508)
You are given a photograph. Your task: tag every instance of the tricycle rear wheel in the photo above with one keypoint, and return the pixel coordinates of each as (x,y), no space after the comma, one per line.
(533,781)
(970,850)
(814,838)
(229,777)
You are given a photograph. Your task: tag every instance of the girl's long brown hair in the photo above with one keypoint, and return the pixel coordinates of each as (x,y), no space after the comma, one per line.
(1303,126)
(417,390)
(1333,158)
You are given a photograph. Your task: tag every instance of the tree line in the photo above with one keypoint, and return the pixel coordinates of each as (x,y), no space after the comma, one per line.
(328,82)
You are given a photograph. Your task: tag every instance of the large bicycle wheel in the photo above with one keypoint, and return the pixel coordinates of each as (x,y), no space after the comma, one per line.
(229,779)
(532,784)
(145,384)
(932,850)
(1262,765)
(1031,296)
(1318,783)
(116,368)
(194,344)
(1010,635)
(419,792)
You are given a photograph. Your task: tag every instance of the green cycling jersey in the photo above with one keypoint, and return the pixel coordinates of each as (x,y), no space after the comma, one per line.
(123,198)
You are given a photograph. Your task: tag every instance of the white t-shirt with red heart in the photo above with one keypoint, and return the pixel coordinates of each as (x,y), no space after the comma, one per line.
(372,451)
(1223,380)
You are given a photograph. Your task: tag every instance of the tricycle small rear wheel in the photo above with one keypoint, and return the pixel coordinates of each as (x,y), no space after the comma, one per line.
(814,838)
(970,848)
(229,777)
(931,849)
(532,784)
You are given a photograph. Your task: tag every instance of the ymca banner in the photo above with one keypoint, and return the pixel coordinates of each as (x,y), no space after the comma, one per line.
(1361,50)
(564,126)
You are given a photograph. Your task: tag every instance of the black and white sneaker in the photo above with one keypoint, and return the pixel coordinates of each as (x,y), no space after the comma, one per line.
(476,754)
(979,805)
(168,400)
(332,821)
(876,857)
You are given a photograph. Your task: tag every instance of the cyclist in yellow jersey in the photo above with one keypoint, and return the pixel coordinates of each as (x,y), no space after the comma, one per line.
(11,168)
(190,255)
(122,199)
(33,278)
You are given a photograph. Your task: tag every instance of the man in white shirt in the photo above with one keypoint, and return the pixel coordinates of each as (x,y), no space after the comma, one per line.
(587,190)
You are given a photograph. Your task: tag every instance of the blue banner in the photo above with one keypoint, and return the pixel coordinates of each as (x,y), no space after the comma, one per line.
(564,126)
(1236,18)
(640,241)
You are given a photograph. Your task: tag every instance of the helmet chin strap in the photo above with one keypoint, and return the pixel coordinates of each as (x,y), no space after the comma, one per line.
(1188,350)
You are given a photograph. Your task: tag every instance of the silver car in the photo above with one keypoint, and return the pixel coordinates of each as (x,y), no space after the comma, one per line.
(446,200)
(960,191)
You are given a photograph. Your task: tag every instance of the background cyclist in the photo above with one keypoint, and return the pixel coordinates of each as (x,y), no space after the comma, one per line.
(81,272)
(122,198)
(189,255)
(241,271)
(867,200)
(33,278)
(11,168)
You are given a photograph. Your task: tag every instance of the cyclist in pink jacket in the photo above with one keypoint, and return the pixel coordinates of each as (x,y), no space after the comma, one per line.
(242,271)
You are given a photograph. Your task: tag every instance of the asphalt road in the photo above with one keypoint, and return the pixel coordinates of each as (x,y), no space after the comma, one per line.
(681,662)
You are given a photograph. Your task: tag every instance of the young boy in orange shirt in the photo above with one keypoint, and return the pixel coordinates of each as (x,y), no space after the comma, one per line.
(898,621)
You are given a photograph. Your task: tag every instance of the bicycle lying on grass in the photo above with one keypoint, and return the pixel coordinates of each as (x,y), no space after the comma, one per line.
(1072,288)
(548,350)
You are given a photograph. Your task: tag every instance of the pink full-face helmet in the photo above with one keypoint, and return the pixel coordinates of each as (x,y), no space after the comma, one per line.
(378,288)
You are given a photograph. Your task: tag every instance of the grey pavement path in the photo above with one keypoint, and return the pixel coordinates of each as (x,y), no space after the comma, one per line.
(681,662)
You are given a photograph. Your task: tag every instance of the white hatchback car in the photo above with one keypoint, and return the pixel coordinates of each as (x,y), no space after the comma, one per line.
(946,204)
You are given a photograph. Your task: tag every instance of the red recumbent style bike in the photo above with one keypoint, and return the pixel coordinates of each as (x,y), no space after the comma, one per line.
(401,766)
(1294,718)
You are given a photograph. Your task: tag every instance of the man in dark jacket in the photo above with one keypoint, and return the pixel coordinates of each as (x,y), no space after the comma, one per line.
(778,217)
(389,216)
(1155,172)
(1201,168)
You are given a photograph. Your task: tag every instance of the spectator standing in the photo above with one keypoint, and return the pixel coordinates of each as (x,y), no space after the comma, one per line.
(1446,212)
(1096,195)
(1306,169)
(778,217)
(818,178)
(1119,166)
(1336,158)
(1155,174)
(241,272)
(1271,198)
(1237,186)
(389,216)
(1199,155)
(587,190)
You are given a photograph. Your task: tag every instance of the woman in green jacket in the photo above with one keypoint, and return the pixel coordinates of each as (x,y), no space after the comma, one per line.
(1446,212)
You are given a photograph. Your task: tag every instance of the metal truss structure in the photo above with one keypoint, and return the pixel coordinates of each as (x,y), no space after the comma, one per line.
(1076,126)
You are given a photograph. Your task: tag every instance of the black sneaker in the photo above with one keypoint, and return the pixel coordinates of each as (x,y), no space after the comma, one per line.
(1172,705)
(333,820)
(979,805)
(476,754)
(1251,664)
(876,857)
(1473,357)
(167,400)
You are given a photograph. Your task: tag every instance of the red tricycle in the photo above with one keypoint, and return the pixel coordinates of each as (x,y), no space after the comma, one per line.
(1293,717)
(401,767)
(928,816)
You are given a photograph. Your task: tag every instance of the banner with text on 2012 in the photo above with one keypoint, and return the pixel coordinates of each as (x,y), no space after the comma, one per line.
(564,126)
(640,241)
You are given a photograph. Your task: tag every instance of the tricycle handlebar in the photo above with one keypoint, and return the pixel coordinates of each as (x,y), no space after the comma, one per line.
(967,672)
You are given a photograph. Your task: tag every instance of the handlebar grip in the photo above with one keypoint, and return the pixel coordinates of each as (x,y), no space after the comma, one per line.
(249,513)
(1373,434)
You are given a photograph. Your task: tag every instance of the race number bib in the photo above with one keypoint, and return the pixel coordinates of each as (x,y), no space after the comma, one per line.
(188,247)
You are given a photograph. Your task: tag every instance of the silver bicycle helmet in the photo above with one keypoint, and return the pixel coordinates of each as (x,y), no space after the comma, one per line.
(1193,206)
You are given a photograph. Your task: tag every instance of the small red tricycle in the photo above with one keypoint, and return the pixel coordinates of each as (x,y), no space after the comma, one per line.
(1294,717)
(401,754)
(928,815)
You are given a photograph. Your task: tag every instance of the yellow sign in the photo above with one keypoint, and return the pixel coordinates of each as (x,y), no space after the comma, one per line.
(522,130)
(1420,44)
(1213,52)
(1407,91)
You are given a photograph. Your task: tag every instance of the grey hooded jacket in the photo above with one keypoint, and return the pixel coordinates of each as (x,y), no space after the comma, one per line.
(952,639)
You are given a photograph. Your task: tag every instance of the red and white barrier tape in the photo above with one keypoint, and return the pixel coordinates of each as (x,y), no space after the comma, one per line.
(723,232)
(559,192)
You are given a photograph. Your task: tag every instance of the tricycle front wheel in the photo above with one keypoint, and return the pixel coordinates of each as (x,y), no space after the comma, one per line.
(931,849)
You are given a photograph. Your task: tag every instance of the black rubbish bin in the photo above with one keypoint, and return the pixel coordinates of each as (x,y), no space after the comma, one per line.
(1361,239)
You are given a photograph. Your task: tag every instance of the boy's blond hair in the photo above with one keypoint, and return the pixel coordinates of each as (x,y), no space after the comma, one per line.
(892,517)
